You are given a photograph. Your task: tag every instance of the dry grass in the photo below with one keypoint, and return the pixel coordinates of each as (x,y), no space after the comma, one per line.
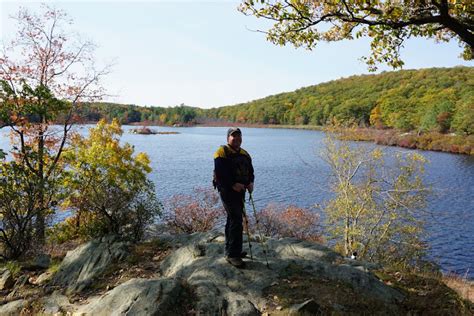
(461,285)
(427,294)
(424,295)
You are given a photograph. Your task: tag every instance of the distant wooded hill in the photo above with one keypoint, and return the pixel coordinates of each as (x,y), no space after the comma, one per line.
(440,99)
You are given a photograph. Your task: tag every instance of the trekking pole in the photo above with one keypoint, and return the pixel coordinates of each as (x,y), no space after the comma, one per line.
(247,228)
(259,230)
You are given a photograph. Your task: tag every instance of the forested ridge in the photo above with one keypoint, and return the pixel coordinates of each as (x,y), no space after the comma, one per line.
(435,99)
(131,113)
(426,99)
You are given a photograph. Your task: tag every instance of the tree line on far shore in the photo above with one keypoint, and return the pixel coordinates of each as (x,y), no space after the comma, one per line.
(426,100)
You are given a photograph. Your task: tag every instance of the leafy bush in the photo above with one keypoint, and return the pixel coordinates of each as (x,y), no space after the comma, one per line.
(63,231)
(408,141)
(109,190)
(376,211)
(20,195)
(82,226)
(197,212)
(288,221)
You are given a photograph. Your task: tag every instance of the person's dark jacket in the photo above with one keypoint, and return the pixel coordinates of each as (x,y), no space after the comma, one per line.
(231,166)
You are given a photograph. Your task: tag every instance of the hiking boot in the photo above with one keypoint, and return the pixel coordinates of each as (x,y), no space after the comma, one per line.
(243,254)
(236,262)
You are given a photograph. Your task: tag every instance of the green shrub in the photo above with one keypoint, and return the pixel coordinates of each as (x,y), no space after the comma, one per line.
(108,187)
(14,267)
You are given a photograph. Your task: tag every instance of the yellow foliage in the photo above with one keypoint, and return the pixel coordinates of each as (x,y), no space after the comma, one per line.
(373,208)
(108,182)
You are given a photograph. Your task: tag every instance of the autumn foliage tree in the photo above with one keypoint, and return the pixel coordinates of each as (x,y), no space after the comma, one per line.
(107,186)
(387,23)
(45,74)
(376,211)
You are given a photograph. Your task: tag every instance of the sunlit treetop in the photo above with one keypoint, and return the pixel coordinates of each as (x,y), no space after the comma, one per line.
(304,23)
(46,52)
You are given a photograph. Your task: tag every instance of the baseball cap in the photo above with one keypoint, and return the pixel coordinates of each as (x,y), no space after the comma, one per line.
(233,130)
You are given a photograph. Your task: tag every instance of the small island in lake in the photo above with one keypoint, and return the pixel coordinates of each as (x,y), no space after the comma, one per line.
(148,131)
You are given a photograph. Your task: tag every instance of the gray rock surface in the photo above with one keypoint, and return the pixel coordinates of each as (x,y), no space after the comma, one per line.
(137,297)
(13,308)
(219,288)
(323,262)
(42,261)
(43,278)
(6,280)
(224,289)
(309,307)
(56,304)
(20,282)
(81,265)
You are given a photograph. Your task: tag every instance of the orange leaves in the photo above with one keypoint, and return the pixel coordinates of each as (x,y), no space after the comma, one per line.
(46,52)
(289,221)
(197,212)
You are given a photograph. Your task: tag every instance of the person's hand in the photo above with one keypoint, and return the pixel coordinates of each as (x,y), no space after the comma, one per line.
(250,187)
(239,187)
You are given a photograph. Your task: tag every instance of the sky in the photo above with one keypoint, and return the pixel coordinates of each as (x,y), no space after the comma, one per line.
(207,54)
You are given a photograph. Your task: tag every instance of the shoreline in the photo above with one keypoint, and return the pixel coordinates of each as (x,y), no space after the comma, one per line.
(429,141)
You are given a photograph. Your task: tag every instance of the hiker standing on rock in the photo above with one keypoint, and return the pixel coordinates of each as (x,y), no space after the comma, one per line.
(233,175)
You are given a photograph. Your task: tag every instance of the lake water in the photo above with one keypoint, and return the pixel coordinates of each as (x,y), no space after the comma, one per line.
(289,170)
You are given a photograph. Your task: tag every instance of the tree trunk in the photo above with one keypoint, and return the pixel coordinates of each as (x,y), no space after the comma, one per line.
(40,217)
(346,238)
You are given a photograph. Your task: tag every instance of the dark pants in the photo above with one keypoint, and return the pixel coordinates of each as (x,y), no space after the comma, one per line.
(234,206)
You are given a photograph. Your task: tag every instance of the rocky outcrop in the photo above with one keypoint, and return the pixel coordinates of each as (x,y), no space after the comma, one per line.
(137,297)
(13,308)
(81,265)
(196,272)
(19,284)
(41,261)
(309,307)
(43,278)
(224,289)
(6,279)
(56,304)
(325,263)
